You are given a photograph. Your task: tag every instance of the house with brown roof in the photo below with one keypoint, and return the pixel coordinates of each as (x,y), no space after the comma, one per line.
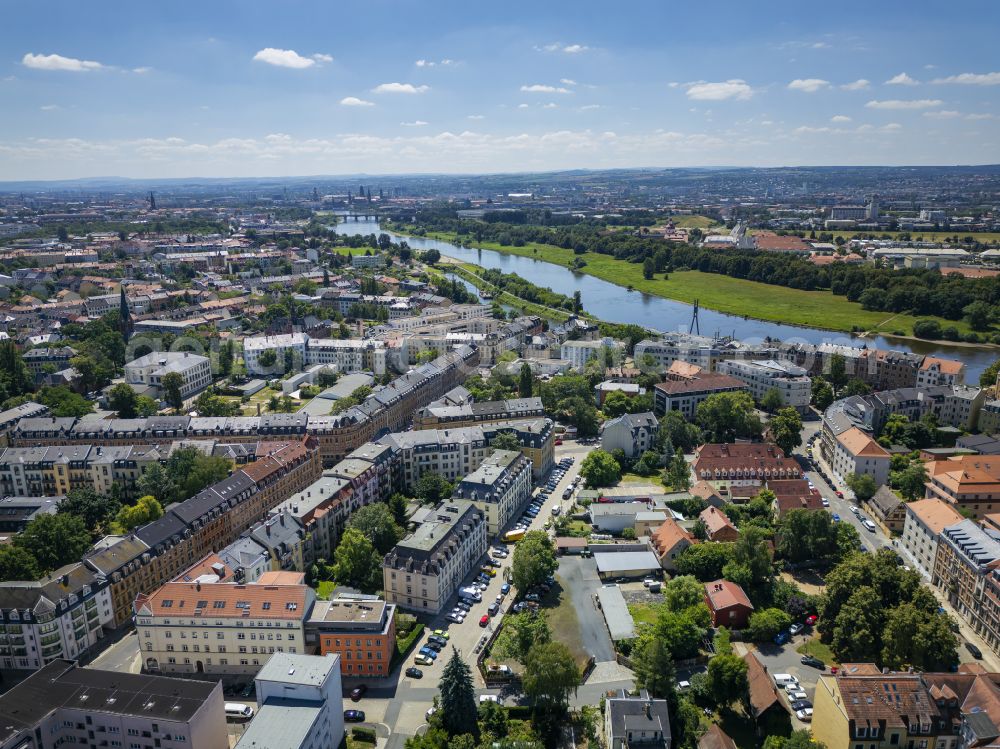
(936,371)
(793,494)
(887,510)
(728,604)
(709,494)
(718,526)
(922,525)
(969,482)
(768,241)
(766,705)
(716,738)
(684,394)
(854,451)
(669,541)
(747,464)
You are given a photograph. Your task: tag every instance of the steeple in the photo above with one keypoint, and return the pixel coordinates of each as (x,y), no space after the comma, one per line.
(125,325)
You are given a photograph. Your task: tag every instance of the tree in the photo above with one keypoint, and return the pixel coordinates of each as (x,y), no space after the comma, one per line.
(519,633)
(534,560)
(682,631)
(397,505)
(431,257)
(979,314)
(615,404)
(653,666)
(17,564)
(727,678)
(856,386)
(526,381)
(146,406)
(822,394)
(987,379)
(376,523)
(767,623)
(63,402)
(54,540)
(683,592)
(680,433)
(863,486)
(577,302)
(268,358)
(678,473)
(458,698)
(123,399)
(600,469)
(95,510)
(356,562)
(806,535)
(157,482)
(431,488)
(648,268)
(786,429)
(837,374)
(550,676)
(726,417)
(705,561)
(145,510)
(15,378)
(751,566)
(506,441)
(772,400)
(207,404)
(798,740)
(173,384)
(911,481)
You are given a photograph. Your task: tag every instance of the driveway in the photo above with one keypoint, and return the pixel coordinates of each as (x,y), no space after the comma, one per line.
(580,582)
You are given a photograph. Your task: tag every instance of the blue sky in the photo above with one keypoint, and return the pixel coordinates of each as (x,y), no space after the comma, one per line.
(219,88)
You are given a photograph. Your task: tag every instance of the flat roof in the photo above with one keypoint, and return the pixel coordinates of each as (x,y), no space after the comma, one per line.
(290,668)
(280,724)
(616,613)
(625,561)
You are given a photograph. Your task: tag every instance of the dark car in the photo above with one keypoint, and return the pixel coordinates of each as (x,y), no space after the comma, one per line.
(437,640)
(435,646)
(414,673)
(801,705)
(358,692)
(976,652)
(354,716)
(808,660)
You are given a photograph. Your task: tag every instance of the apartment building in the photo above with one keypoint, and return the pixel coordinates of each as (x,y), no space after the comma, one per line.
(63,704)
(500,487)
(347,355)
(854,451)
(424,569)
(285,346)
(446,414)
(578,353)
(922,526)
(637,722)
(17,512)
(221,628)
(967,482)
(865,706)
(936,371)
(634,434)
(685,394)
(62,615)
(359,629)
(49,359)
(790,380)
(300,704)
(966,570)
(743,464)
(148,371)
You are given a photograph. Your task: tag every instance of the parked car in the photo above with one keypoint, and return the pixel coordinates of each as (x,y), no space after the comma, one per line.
(442,633)
(494,608)
(430,653)
(781,638)
(824,501)
(836,518)
(683,684)
(801,704)
(795,629)
(532,597)
(453,617)
(839,493)
(855,509)
(805,714)
(354,716)
(974,650)
(414,673)
(440,641)
(811,619)
(505,588)
(358,692)
(809,660)
(433,645)
(484,620)
(796,696)
(423,660)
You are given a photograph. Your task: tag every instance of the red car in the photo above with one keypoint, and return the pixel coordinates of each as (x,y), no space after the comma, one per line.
(839,494)
(558,442)
(811,620)
(484,620)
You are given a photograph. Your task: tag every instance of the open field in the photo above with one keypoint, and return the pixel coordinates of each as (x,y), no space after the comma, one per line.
(735,296)
(693,222)
(643,613)
(817,649)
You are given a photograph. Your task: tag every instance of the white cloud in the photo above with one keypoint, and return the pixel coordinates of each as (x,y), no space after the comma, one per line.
(320,57)
(840,118)
(415,123)
(981,116)
(904,104)
(902,80)
(399,88)
(819,45)
(541,88)
(589,107)
(49,107)
(859,85)
(432,63)
(354,101)
(58,62)
(944,114)
(283,58)
(735,88)
(891,127)
(141,71)
(567,81)
(522,106)
(808,85)
(972,79)
(673,84)
(551,105)
(569,49)
(476,117)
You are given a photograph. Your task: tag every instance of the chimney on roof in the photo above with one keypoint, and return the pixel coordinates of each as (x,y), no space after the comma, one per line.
(649,709)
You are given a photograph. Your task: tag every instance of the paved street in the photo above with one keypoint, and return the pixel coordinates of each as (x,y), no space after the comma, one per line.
(122,656)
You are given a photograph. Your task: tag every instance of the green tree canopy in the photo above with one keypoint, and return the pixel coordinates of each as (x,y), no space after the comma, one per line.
(550,676)
(95,510)
(145,510)
(600,469)
(173,385)
(54,540)
(705,562)
(519,633)
(786,429)
(17,564)
(376,522)
(357,563)
(725,417)
(458,698)
(123,399)
(863,486)
(534,560)
(431,488)
(506,441)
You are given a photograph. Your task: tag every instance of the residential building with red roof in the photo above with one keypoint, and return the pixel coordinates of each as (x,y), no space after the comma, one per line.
(728,604)
(743,464)
(718,526)
(669,541)
(854,451)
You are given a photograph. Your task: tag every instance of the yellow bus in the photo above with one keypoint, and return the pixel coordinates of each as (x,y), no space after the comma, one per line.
(511,537)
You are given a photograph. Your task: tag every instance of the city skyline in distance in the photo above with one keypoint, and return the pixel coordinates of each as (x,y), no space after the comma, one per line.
(400,88)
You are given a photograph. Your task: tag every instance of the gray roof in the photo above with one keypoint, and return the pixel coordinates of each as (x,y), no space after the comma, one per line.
(637,714)
(280,724)
(625,561)
(616,613)
(308,670)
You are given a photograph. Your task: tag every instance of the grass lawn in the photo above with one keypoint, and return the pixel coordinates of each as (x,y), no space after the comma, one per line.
(643,613)
(735,296)
(817,649)
(578,528)
(635,478)
(566,627)
(693,222)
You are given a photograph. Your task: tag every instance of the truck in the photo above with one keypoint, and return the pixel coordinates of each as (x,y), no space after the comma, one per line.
(512,537)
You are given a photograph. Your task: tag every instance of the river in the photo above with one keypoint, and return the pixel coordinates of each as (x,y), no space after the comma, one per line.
(616,304)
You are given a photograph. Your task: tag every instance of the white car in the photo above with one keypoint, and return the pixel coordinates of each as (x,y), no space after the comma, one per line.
(795,628)
(825,501)
(792,686)
(796,696)
(805,714)
(682,685)
(454,617)
(856,510)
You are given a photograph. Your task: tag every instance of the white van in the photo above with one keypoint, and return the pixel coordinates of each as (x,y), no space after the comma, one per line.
(238,710)
(783,680)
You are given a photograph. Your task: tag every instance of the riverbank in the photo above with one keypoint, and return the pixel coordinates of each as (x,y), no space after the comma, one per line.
(734,296)
(471,273)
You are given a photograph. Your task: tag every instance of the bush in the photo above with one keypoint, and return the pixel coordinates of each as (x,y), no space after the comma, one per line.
(405,643)
(360,733)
